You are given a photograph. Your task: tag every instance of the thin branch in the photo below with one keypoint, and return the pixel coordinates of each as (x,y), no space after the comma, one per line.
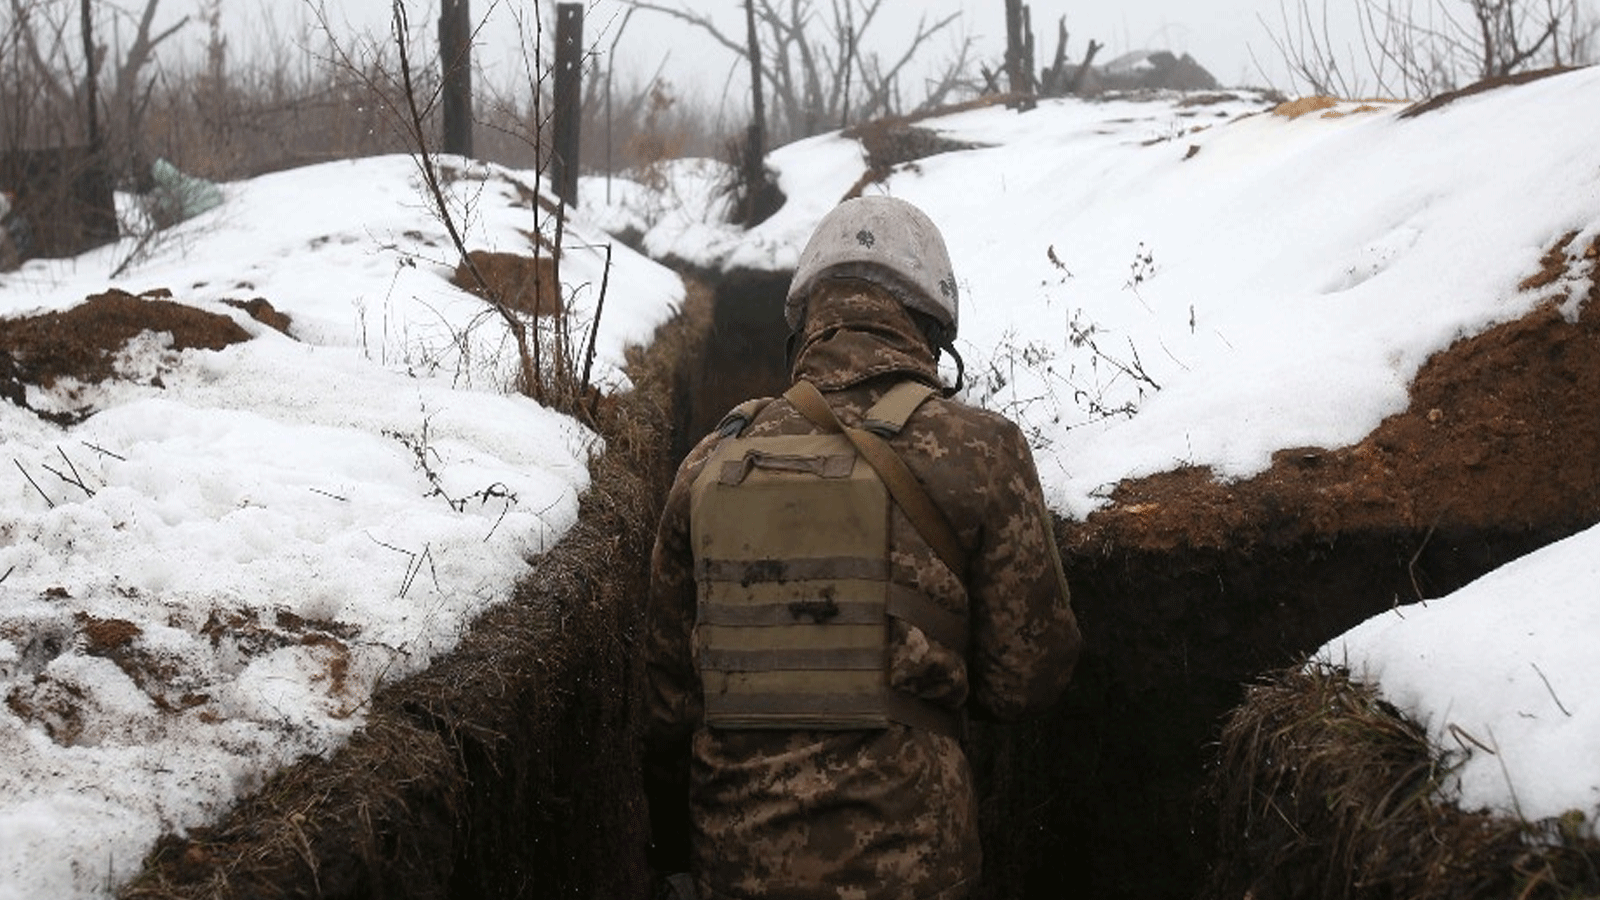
(417,128)
(594,329)
(1411,567)
(76,480)
(35,484)
(923,33)
(1559,705)
(104,452)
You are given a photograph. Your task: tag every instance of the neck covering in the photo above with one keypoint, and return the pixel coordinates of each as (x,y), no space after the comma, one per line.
(855,331)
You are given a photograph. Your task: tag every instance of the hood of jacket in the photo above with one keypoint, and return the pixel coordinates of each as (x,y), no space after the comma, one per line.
(855,331)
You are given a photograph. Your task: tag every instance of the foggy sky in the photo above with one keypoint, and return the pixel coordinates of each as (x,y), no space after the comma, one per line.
(1234,39)
(1220,34)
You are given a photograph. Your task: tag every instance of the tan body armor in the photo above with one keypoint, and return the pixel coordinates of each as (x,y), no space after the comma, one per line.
(791,544)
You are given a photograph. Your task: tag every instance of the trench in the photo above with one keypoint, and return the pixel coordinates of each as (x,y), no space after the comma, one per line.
(507,770)
(1105,796)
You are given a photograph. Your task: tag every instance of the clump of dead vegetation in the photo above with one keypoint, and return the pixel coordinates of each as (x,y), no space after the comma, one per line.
(1327,791)
(893,142)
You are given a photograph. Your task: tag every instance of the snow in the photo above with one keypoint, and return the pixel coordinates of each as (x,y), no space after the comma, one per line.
(266,515)
(1300,270)
(1501,674)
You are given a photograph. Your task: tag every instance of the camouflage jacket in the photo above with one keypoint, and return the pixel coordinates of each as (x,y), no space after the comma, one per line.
(887,813)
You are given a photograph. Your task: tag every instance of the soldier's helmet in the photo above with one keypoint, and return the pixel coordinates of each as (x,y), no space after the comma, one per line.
(885,241)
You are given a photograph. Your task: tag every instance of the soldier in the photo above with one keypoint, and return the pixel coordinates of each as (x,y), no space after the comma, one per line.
(842,575)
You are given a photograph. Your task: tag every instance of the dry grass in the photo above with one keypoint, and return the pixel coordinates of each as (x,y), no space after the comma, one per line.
(321,825)
(1327,791)
(1294,109)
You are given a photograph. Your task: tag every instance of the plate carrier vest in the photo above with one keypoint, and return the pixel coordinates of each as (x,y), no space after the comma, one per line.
(791,543)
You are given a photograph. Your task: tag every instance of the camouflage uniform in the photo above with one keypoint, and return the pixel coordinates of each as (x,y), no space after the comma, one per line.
(883,813)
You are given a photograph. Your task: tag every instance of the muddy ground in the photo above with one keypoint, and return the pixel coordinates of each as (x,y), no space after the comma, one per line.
(506,770)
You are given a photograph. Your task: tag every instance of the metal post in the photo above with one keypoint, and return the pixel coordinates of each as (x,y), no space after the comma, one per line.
(568,87)
(755,144)
(455,56)
(92,80)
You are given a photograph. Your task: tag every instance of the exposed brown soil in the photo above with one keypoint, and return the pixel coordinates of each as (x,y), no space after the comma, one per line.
(83,341)
(1498,435)
(524,283)
(892,144)
(1488,84)
(264,312)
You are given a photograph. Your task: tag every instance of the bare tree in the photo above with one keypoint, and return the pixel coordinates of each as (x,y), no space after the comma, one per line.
(1427,47)
(812,62)
(43,57)
(1061,77)
(1019,47)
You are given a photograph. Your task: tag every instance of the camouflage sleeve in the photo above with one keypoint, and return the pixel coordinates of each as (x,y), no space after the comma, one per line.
(672,699)
(1025,637)
(673,702)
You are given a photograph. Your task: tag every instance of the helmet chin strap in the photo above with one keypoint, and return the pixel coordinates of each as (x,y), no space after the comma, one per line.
(791,347)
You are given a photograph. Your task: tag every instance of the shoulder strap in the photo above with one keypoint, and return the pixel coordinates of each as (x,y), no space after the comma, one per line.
(889,414)
(902,483)
(741,416)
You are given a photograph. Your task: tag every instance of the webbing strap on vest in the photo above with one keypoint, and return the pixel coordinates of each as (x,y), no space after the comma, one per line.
(903,485)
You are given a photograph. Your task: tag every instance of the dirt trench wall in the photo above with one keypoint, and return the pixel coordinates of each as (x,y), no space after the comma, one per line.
(1187,589)
(743,354)
(1103,797)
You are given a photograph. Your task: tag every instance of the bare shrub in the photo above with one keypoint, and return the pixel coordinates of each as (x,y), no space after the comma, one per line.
(1423,48)
(654,125)
(812,61)
(554,354)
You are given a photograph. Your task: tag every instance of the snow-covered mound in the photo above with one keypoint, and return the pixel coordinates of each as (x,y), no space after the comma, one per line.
(205,579)
(1501,674)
